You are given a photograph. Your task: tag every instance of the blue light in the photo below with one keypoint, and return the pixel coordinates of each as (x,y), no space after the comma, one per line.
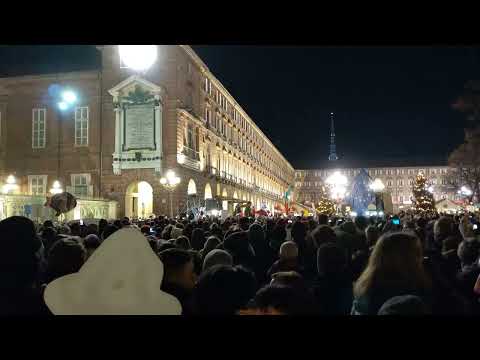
(63,106)
(69,97)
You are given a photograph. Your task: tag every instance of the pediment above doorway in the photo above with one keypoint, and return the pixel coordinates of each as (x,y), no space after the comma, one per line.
(136,89)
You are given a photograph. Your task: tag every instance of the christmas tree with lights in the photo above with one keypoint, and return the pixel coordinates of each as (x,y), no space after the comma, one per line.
(422,198)
(326,206)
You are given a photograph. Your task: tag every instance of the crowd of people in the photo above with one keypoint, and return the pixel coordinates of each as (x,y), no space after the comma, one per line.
(331,266)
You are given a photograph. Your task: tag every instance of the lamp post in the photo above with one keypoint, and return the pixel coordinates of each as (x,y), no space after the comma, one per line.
(377,187)
(170,182)
(67,99)
(56,188)
(10,185)
(338,187)
(138,57)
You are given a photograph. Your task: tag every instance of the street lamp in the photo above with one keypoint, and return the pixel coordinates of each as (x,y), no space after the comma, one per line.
(465,191)
(170,182)
(138,57)
(377,187)
(10,185)
(337,184)
(56,188)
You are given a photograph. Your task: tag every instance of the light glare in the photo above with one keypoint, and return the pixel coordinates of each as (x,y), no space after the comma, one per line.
(138,57)
(69,97)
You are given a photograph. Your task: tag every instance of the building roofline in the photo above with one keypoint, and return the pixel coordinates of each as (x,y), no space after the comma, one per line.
(204,68)
(72,75)
(375,167)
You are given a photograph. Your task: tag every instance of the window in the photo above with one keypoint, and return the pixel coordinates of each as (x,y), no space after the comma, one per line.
(400,199)
(37,184)
(444,181)
(410,182)
(81,126)
(400,182)
(205,88)
(38,128)
(208,116)
(389,183)
(190,137)
(80,184)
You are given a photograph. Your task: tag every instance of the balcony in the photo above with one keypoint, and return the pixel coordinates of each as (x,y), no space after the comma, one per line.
(190,159)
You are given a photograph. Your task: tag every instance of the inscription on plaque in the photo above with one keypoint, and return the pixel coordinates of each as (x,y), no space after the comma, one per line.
(139,129)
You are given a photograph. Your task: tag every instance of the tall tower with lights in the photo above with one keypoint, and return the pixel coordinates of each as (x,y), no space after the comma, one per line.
(333,148)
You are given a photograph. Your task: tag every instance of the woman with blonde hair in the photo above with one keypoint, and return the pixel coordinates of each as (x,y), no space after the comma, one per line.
(395,268)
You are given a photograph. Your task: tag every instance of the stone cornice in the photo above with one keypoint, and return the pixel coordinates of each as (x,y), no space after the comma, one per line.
(206,71)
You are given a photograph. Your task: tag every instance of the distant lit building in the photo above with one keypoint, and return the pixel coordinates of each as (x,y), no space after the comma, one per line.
(398,182)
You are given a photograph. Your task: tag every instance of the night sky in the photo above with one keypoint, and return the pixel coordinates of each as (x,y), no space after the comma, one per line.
(391,103)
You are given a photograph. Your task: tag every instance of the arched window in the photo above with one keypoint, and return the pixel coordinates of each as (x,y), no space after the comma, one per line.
(192,188)
(208,192)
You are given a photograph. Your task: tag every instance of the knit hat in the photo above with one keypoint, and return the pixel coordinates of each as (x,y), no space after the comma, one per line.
(122,277)
(217,257)
(289,250)
(404,305)
(176,232)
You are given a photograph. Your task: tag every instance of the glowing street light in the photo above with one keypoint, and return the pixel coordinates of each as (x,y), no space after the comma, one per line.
(68,98)
(170,182)
(337,183)
(377,186)
(465,191)
(10,185)
(56,188)
(138,57)
(430,189)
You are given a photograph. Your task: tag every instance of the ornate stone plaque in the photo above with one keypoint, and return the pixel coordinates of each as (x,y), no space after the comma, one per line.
(139,131)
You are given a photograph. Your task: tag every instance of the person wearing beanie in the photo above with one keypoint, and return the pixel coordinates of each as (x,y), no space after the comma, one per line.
(211,243)
(407,305)
(288,260)
(176,232)
(217,257)
(238,246)
(182,242)
(66,256)
(91,243)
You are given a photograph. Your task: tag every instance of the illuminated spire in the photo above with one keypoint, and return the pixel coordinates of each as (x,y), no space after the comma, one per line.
(333,148)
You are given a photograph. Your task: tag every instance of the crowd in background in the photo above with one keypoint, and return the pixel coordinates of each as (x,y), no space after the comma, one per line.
(426,265)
